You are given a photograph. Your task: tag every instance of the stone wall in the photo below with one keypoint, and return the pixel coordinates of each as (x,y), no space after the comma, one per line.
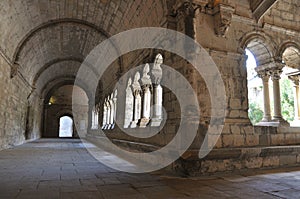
(223,30)
(227,49)
(13,108)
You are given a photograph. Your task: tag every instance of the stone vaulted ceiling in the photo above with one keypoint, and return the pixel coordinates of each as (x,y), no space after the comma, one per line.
(49,39)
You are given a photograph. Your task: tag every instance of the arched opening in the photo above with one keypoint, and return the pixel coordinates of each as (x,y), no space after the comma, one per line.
(290,85)
(59,103)
(65,127)
(260,57)
(270,89)
(255,90)
(286,94)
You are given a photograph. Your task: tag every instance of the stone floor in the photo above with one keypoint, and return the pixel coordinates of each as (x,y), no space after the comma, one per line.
(52,168)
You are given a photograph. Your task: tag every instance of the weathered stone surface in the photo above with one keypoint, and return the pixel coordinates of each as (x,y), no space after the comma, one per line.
(43,43)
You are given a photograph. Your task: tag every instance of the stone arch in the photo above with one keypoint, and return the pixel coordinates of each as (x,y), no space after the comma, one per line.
(264,50)
(289,53)
(61,81)
(260,45)
(52,24)
(47,24)
(59,60)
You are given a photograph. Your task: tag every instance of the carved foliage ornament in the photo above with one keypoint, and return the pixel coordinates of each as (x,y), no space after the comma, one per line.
(222,19)
(184,8)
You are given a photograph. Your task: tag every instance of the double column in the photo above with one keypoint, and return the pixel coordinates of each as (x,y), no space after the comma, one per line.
(274,73)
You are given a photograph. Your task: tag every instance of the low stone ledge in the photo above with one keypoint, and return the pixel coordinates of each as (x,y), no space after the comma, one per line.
(232,159)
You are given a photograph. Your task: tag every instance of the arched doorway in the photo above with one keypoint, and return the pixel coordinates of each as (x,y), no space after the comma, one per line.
(59,103)
(65,127)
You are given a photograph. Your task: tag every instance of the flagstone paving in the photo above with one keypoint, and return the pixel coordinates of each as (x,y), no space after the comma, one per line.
(63,168)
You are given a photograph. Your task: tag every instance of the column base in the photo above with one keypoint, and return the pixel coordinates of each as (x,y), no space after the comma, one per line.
(268,123)
(133,124)
(280,121)
(143,122)
(266,119)
(104,127)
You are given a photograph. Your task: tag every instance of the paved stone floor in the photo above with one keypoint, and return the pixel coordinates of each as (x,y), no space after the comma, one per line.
(52,168)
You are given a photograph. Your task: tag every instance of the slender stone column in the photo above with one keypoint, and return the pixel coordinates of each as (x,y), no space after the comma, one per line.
(295,79)
(267,110)
(128,105)
(104,119)
(137,100)
(114,115)
(108,113)
(157,91)
(112,112)
(97,117)
(146,87)
(93,118)
(90,114)
(275,75)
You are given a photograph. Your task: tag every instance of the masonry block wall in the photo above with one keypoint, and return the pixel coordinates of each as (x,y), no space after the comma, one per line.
(13,107)
(47,42)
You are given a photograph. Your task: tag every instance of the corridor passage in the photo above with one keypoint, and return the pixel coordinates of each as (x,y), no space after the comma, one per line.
(63,168)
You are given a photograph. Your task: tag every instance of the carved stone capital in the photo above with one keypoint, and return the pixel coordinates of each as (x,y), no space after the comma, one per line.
(264,75)
(147,87)
(157,70)
(295,79)
(137,92)
(275,73)
(136,85)
(222,18)
(203,5)
(184,8)
(146,77)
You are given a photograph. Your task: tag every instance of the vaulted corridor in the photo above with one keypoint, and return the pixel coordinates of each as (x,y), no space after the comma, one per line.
(161,86)
(63,168)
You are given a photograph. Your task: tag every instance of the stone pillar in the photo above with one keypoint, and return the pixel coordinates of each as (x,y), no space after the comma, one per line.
(97,117)
(93,118)
(186,23)
(295,79)
(112,112)
(267,110)
(90,114)
(137,101)
(104,119)
(108,113)
(146,88)
(128,105)
(114,115)
(275,75)
(157,91)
